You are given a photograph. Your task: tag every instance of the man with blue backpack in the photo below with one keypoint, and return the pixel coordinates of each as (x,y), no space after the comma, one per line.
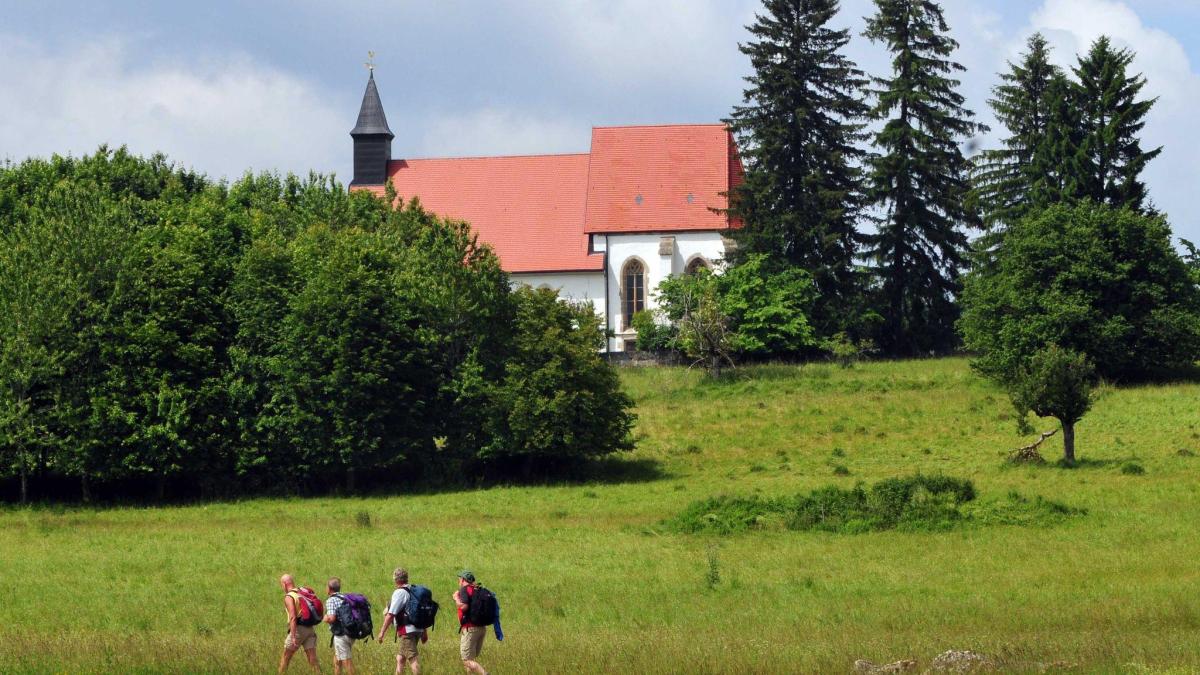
(349,619)
(413,611)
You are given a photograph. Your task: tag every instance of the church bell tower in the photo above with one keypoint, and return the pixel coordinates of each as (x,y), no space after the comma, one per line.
(372,139)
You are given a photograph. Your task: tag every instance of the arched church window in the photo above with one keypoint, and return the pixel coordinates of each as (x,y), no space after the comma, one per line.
(633,287)
(696,264)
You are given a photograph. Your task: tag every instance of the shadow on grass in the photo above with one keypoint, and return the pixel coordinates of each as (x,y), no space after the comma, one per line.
(57,497)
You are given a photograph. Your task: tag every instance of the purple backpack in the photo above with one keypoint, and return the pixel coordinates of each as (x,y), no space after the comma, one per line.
(353,617)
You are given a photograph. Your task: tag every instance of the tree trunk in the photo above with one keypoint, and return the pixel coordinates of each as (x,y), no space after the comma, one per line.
(24,484)
(160,487)
(715,368)
(1068,442)
(350,480)
(85,489)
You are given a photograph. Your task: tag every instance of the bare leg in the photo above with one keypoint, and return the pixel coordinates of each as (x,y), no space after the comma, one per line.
(399,665)
(474,667)
(312,660)
(348,665)
(286,659)
(415,666)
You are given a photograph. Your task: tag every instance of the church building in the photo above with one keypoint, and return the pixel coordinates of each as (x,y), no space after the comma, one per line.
(606,225)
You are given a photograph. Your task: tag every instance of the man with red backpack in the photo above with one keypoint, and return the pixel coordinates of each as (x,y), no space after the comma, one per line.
(477,609)
(304,610)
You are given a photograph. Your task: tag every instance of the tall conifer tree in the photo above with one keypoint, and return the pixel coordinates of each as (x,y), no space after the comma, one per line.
(1025,104)
(1112,116)
(799,130)
(918,182)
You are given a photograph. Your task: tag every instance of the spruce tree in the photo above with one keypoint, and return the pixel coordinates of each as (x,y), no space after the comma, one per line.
(918,182)
(1006,179)
(1112,117)
(799,131)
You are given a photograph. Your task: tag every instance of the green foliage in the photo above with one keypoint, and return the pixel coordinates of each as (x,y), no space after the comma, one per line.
(692,303)
(558,399)
(768,310)
(1096,280)
(282,332)
(1111,118)
(652,336)
(916,503)
(845,351)
(799,132)
(748,310)
(1133,469)
(918,181)
(1057,383)
(1006,180)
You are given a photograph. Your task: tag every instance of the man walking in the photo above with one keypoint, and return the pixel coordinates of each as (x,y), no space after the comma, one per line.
(409,634)
(298,636)
(342,643)
(470,641)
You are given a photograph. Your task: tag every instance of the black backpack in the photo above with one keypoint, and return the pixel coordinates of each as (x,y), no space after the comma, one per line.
(421,610)
(353,617)
(482,608)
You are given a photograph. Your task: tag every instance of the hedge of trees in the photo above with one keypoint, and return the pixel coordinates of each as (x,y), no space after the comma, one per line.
(162,331)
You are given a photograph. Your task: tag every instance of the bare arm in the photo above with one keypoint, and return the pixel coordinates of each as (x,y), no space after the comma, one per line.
(387,621)
(290,605)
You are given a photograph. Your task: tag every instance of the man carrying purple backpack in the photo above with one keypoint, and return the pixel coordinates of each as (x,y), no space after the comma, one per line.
(349,619)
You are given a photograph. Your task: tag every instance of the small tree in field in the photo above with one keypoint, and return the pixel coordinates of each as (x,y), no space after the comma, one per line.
(1057,383)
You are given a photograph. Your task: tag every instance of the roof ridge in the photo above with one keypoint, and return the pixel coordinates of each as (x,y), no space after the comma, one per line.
(660,126)
(514,156)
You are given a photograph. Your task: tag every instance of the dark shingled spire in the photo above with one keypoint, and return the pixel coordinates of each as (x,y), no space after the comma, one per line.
(372,139)
(371,119)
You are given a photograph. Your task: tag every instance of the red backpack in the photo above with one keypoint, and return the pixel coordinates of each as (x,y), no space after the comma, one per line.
(309,609)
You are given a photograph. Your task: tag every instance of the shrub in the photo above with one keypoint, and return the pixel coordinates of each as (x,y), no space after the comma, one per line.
(1057,383)
(1132,469)
(559,399)
(916,502)
(652,336)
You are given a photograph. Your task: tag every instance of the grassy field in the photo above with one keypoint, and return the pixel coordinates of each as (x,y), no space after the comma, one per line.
(591,582)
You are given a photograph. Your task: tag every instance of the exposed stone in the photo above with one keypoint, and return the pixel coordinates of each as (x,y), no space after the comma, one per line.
(962,661)
(902,666)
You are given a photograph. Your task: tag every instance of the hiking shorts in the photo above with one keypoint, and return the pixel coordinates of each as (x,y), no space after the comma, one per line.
(306,637)
(408,645)
(470,643)
(342,644)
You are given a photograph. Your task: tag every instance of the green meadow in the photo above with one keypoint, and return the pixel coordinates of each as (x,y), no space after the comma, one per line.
(590,580)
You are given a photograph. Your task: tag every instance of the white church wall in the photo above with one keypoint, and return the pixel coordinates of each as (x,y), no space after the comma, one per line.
(578,286)
(650,250)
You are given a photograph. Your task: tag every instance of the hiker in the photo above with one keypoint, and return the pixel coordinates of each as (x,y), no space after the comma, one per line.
(477,609)
(303,610)
(349,619)
(410,635)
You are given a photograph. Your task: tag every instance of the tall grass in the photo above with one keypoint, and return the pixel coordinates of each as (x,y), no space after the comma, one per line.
(589,581)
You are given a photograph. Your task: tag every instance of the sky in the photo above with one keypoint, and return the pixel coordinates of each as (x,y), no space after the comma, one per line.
(226,86)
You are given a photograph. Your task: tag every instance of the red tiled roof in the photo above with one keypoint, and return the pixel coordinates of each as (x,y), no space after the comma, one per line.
(530,209)
(659,178)
(537,211)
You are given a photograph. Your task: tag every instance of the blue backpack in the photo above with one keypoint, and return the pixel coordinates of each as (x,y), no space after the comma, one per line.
(421,610)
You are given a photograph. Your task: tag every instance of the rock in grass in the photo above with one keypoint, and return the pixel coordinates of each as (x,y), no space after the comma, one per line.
(963,661)
(903,666)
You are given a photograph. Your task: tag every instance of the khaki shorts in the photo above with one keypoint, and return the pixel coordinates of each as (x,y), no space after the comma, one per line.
(408,645)
(306,637)
(342,644)
(470,643)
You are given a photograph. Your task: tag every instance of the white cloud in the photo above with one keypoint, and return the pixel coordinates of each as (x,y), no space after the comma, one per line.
(220,117)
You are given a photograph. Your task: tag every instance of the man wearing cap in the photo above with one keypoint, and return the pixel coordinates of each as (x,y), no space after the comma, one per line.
(470,640)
